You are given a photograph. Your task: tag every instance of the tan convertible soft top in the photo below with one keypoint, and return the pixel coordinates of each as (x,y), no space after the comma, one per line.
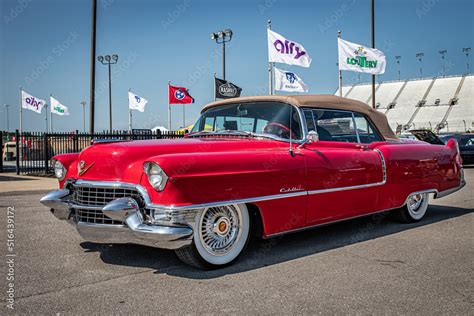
(325,101)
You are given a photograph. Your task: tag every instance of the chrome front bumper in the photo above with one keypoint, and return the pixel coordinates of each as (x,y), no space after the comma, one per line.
(134,230)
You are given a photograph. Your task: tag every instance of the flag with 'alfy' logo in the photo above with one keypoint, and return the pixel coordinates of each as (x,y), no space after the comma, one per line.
(32,103)
(282,50)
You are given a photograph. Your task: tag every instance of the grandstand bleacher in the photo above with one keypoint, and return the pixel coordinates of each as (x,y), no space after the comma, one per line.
(442,104)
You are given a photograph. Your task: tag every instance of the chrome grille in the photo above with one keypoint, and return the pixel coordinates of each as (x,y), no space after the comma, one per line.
(94,217)
(89,200)
(93,196)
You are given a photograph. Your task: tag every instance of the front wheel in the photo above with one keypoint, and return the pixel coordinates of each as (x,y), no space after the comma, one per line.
(415,208)
(220,236)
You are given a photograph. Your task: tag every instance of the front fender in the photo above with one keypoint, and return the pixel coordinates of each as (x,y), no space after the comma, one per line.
(209,177)
(68,161)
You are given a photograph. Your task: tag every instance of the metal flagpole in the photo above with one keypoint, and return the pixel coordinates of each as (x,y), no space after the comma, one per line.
(129,114)
(340,71)
(21,111)
(51,115)
(169,107)
(372,9)
(270,66)
(215,99)
(46,116)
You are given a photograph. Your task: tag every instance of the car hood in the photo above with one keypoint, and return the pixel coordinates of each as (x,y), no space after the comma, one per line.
(119,161)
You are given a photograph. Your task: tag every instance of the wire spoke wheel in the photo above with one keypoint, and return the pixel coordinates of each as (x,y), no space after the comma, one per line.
(220,235)
(414,209)
(220,229)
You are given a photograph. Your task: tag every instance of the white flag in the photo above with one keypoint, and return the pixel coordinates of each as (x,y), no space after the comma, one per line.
(289,81)
(58,108)
(31,103)
(281,50)
(355,57)
(136,102)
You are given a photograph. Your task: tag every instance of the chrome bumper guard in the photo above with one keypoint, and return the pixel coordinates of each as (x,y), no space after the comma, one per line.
(134,230)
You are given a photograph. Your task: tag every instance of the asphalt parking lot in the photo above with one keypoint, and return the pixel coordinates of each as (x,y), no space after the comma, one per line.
(370,265)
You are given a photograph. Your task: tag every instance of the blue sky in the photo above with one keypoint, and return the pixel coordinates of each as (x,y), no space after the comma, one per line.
(45,49)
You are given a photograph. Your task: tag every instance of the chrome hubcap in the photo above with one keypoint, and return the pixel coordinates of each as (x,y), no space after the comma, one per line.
(414,202)
(220,228)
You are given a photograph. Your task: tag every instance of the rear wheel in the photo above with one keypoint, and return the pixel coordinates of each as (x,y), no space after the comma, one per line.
(415,208)
(220,236)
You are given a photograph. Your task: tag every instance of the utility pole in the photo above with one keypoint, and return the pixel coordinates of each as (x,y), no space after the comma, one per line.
(92,71)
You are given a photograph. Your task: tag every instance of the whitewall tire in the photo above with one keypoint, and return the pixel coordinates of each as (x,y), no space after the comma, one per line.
(415,208)
(220,236)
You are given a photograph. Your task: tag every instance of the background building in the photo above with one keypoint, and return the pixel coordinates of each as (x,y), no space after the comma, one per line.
(442,104)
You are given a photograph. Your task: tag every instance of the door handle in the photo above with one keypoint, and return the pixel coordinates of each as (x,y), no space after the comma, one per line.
(362,147)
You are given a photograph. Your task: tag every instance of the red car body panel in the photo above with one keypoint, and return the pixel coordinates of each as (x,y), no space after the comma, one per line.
(322,181)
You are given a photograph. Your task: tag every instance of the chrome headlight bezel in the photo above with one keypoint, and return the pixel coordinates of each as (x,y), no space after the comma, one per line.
(156,175)
(58,169)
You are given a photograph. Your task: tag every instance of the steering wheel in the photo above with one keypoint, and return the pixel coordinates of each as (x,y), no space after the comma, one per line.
(279,130)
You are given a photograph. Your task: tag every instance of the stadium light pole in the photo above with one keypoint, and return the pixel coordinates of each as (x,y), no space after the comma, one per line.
(443,52)
(222,37)
(466,50)
(83,103)
(109,60)
(6,106)
(398,65)
(420,57)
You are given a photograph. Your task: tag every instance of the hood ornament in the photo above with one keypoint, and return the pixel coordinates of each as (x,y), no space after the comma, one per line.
(82,168)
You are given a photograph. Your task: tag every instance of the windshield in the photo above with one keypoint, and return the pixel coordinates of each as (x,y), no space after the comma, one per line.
(262,118)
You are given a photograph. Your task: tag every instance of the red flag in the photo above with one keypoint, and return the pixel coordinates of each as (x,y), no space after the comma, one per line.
(179,95)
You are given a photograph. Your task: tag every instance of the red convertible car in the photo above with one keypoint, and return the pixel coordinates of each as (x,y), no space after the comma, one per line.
(265,165)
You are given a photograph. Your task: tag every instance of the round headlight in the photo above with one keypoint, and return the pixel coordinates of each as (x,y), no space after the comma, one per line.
(156,176)
(59,170)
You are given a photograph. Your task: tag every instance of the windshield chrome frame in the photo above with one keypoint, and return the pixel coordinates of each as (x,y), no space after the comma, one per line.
(304,130)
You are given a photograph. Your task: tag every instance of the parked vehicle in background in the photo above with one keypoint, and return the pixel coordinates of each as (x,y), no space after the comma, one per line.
(261,166)
(9,151)
(423,135)
(466,146)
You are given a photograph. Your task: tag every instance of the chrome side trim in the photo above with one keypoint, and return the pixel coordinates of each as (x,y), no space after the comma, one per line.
(150,205)
(146,197)
(349,218)
(221,203)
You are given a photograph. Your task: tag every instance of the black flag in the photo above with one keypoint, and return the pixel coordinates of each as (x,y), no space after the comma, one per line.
(226,89)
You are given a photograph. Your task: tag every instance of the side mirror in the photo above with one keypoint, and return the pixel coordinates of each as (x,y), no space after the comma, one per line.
(312,137)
